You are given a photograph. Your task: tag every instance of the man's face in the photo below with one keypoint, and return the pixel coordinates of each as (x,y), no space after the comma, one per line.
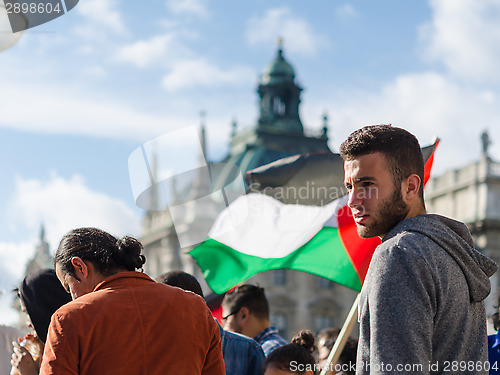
(71,285)
(376,204)
(231,322)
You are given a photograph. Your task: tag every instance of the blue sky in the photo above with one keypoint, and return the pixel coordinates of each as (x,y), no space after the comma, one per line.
(80,93)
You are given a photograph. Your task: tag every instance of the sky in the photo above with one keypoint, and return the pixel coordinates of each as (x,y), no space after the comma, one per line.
(80,93)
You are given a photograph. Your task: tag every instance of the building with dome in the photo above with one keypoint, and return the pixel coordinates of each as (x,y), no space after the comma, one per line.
(298,300)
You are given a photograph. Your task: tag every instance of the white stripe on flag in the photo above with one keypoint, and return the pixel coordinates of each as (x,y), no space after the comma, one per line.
(259,225)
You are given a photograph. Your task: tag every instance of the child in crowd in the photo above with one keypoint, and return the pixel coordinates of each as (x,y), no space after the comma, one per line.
(294,358)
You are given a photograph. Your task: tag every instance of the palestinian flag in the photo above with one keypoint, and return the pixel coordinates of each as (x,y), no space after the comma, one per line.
(258,233)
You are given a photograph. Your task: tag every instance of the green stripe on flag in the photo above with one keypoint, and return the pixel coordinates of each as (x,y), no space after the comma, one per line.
(324,255)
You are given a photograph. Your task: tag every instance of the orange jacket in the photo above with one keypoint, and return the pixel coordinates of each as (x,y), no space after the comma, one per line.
(131,325)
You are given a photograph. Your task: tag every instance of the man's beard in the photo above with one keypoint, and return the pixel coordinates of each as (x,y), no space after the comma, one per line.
(391,212)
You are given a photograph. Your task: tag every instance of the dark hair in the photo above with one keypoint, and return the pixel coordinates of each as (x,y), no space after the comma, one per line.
(400,148)
(106,253)
(495,318)
(181,280)
(249,296)
(42,294)
(348,355)
(295,356)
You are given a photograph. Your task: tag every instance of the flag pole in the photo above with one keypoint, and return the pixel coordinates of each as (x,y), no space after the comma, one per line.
(346,330)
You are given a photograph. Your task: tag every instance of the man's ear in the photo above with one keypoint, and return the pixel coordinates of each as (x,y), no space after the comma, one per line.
(410,187)
(244,313)
(81,268)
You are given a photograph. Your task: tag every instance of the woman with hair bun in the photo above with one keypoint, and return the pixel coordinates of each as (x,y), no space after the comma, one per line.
(121,321)
(294,358)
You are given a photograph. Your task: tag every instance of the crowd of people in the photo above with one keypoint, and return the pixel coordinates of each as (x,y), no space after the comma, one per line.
(41,294)
(421,309)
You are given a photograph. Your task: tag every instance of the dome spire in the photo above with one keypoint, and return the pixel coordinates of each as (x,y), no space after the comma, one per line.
(280,46)
(42,233)
(234,125)
(203,116)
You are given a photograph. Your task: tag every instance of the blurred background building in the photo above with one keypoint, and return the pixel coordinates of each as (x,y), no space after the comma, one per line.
(471,194)
(278,133)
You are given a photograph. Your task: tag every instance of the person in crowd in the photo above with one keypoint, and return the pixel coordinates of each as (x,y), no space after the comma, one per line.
(421,308)
(242,355)
(294,358)
(40,295)
(8,334)
(120,321)
(494,344)
(346,365)
(245,310)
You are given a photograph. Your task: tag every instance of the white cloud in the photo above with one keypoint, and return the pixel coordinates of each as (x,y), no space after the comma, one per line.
(66,204)
(87,114)
(13,259)
(346,11)
(464,35)
(193,73)
(95,71)
(299,35)
(428,105)
(61,204)
(157,49)
(103,13)
(194,7)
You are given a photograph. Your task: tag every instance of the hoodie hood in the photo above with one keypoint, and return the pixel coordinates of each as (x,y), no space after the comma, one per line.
(454,237)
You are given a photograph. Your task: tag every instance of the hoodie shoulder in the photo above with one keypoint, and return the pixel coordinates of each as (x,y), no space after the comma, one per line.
(455,239)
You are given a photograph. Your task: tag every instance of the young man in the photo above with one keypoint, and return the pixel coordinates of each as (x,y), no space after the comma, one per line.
(246,311)
(421,309)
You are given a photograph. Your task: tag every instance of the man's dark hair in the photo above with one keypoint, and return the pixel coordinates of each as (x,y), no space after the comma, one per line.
(495,318)
(400,148)
(250,296)
(181,280)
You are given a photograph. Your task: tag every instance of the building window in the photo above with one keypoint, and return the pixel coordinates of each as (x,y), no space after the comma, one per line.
(324,283)
(278,106)
(322,321)
(278,277)
(280,321)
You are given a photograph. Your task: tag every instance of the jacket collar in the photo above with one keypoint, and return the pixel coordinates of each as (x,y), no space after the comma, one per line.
(122,275)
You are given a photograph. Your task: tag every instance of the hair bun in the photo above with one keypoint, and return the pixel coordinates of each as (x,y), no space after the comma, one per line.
(305,338)
(130,252)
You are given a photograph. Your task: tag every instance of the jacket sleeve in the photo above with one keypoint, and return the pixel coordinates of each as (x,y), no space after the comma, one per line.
(214,363)
(399,308)
(60,356)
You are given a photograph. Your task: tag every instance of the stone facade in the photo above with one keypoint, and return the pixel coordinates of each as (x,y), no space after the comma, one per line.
(42,257)
(471,194)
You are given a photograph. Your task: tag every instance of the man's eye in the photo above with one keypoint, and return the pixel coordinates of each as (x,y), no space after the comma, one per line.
(367,183)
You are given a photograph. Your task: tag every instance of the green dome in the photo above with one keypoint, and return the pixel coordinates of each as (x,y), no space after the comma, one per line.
(279,71)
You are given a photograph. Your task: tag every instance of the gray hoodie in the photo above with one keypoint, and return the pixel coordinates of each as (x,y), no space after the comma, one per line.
(421,309)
